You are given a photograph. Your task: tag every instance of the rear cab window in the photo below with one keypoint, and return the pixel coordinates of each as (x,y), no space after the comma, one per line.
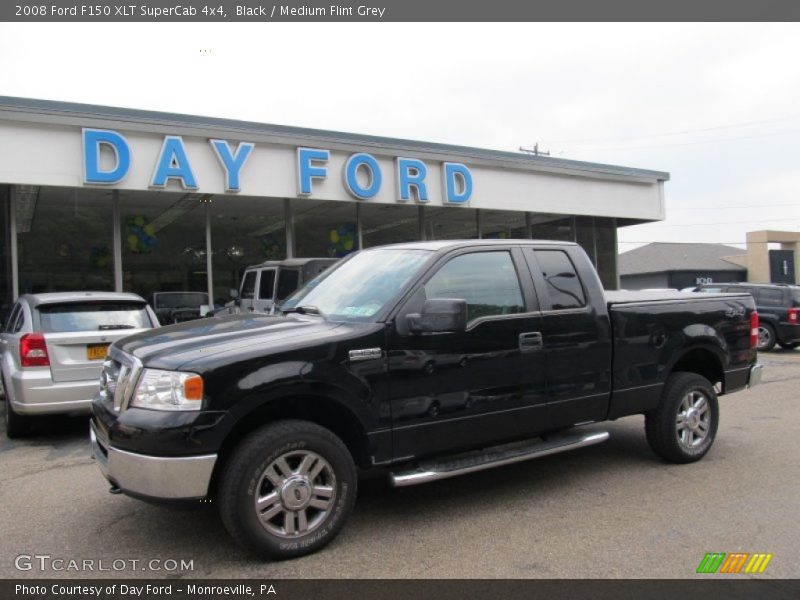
(562,283)
(92,316)
(288,282)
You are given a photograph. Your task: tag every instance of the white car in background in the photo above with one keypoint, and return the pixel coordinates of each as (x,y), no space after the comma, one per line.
(53,347)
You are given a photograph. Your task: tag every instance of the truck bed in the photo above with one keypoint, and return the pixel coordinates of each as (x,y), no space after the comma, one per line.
(632,297)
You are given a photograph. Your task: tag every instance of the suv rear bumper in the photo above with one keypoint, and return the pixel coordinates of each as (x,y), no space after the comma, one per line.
(154,477)
(756,371)
(788,333)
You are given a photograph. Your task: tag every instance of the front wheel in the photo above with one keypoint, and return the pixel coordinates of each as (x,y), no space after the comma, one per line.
(287,489)
(683,427)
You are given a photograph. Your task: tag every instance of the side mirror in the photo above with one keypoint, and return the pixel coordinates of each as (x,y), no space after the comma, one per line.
(440,315)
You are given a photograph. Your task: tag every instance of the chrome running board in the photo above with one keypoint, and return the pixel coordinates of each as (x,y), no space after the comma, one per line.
(469,462)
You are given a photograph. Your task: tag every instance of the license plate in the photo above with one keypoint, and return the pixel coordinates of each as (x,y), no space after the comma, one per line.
(96,351)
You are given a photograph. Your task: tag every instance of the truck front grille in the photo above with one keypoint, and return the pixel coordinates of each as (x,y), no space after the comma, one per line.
(119,377)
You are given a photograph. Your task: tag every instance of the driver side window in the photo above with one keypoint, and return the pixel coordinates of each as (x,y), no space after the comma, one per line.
(486,280)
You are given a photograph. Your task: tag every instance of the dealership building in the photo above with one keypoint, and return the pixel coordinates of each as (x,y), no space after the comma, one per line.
(102,198)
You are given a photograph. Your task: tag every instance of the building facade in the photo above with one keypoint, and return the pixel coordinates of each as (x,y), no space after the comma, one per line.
(102,198)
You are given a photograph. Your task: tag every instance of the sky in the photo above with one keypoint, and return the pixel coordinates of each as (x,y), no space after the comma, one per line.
(715,105)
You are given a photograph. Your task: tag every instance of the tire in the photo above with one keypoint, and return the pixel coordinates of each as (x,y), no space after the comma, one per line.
(17,425)
(269,463)
(766,337)
(675,429)
(791,346)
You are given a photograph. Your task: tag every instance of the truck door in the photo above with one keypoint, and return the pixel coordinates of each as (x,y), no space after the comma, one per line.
(266,290)
(576,335)
(247,293)
(453,390)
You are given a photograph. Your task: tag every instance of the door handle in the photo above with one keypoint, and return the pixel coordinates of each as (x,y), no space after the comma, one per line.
(531,341)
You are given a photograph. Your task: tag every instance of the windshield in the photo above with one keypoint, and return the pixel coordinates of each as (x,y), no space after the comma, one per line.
(360,287)
(180,300)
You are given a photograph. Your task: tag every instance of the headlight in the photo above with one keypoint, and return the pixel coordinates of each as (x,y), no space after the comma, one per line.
(168,390)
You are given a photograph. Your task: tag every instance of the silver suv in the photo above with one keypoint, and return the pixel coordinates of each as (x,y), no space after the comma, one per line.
(53,347)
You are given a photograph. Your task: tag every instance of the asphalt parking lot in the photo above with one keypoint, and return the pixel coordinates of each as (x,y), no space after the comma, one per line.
(612,510)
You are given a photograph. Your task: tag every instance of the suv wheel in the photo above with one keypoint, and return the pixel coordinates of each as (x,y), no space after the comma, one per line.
(287,489)
(683,427)
(16,425)
(766,337)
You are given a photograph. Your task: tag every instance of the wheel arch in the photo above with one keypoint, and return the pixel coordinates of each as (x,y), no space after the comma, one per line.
(704,360)
(315,407)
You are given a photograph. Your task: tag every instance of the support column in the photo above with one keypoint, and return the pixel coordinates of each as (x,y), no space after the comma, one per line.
(288,218)
(359,233)
(117,240)
(209,256)
(12,223)
(421,223)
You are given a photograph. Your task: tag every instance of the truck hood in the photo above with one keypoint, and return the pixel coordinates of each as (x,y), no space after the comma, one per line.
(174,345)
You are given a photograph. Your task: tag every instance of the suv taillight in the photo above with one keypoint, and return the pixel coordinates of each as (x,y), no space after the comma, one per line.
(792,316)
(33,351)
(754,329)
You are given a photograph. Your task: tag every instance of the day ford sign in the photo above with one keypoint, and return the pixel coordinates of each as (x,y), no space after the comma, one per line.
(361,175)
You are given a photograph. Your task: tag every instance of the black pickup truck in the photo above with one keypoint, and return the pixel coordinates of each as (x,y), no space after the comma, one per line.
(429,360)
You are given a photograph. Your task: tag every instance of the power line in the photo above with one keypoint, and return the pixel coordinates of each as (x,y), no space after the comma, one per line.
(791,204)
(730,139)
(680,132)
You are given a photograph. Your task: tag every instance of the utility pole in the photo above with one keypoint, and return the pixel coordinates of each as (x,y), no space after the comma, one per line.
(535,150)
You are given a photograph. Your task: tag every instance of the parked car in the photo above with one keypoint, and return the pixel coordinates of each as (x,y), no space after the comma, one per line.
(258,291)
(177,307)
(512,345)
(778,306)
(53,347)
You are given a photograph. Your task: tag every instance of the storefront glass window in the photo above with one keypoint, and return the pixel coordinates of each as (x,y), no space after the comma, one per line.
(244,231)
(389,224)
(606,244)
(584,235)
(64,239)
(163,242)
(552,227)
(324,229)
(5,255)
(450,223)
(503,224)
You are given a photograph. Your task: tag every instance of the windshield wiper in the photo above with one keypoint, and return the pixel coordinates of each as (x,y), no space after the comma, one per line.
(304,310)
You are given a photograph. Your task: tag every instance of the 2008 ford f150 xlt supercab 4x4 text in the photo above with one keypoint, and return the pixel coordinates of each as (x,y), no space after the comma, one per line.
(428,359)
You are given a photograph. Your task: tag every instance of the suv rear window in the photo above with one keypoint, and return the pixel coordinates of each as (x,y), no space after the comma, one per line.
(92,316)
(769,297)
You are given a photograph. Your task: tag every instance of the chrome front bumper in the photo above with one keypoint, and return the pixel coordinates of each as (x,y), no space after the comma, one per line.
(756,372)
(158,477)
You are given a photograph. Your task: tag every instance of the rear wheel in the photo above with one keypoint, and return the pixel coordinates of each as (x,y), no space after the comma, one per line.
(766,337)
(683,427)
(16,425)
(287,489)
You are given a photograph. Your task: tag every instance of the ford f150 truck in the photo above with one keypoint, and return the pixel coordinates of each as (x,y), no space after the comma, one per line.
(430,360)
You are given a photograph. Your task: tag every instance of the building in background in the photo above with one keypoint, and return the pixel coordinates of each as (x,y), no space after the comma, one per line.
(772,256)
(677,266)
(101,198)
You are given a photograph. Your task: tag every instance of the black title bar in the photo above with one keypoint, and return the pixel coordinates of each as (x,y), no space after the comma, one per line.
(397,10)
